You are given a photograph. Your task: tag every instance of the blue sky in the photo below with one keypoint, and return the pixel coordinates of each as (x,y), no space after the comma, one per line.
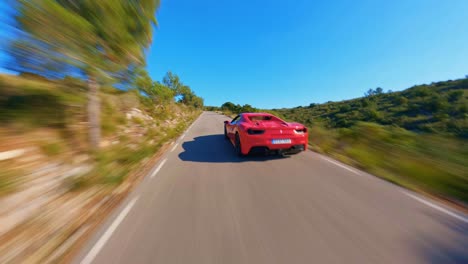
(274,54)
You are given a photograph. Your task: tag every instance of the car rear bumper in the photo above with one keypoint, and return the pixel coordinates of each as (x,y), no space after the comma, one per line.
(265,150)
(258,143)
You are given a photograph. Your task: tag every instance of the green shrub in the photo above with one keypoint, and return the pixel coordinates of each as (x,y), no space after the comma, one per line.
(78,183)
(321,139)
(52,148)
(138,121)
(364,156)
(108,127)
(8,179)
(129,100)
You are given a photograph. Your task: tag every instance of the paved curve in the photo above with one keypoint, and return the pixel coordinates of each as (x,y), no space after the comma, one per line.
(205,205)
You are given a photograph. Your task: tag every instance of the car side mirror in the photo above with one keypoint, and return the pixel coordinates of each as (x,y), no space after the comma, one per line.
(226,122)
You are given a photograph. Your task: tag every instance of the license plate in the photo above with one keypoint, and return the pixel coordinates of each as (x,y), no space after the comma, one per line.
(281,141)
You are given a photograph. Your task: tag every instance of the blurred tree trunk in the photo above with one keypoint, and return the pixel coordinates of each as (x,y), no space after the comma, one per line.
(105,39)
(94,120)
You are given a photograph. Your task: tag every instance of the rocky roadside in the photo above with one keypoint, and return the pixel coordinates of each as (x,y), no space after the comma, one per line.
(41,220)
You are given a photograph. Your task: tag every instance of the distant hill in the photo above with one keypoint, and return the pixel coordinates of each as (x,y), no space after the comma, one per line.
(440,107)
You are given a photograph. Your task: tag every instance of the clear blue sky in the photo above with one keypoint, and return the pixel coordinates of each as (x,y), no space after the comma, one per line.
(273,54)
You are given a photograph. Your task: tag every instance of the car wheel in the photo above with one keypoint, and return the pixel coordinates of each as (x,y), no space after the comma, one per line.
(225,133)
(238,146)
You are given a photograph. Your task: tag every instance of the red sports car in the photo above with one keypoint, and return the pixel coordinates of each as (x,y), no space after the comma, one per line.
(262,132)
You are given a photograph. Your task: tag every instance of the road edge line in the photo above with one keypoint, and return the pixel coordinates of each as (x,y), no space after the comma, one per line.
(158,168)
(340,165)
(102,241)
(174,147)
(435,206)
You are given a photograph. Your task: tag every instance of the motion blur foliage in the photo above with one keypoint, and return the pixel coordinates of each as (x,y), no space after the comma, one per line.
(97,41)
(28,102)
(416,137)
(138,126)
(43,122)
(69,137)
(426,162)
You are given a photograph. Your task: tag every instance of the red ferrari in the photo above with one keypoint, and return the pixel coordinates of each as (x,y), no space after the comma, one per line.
(265,133)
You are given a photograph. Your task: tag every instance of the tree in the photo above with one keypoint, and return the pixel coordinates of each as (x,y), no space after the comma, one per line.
(372,92)
(182,92)
(369,93)
(185,94)
(162,94)
(157,92)
(192,100)
(173,82)
(247,108)
(143,82)
(228,106)
(235,108)
(101,41)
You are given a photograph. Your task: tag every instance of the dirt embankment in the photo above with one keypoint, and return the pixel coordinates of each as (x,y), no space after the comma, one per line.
(53,191)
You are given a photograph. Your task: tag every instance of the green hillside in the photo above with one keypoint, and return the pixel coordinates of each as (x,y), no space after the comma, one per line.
(416,138)
(440,108)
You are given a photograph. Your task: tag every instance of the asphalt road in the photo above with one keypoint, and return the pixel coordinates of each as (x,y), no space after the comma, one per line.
(203,204)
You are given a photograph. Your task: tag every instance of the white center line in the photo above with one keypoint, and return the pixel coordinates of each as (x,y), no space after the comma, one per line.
(459,217)
(102,241)
(175,146)
(340,165)
(157,169)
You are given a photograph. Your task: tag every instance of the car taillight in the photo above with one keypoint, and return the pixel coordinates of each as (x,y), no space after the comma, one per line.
(301,131)
(255,131)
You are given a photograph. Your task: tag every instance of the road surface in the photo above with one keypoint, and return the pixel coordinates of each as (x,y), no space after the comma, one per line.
(203,204)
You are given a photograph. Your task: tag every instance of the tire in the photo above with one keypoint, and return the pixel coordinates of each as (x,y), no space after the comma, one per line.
(225,133)
(238,146)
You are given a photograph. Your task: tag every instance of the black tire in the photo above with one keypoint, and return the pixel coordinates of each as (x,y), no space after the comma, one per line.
(238,146)
(225,133)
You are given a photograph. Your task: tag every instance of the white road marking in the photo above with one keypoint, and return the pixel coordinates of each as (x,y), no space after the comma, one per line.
(102,241)
(174,147)
(340,165)
(434,206)
(157,169)
(452,214)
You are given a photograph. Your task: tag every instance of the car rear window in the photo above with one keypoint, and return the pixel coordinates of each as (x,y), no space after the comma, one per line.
(260,118)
